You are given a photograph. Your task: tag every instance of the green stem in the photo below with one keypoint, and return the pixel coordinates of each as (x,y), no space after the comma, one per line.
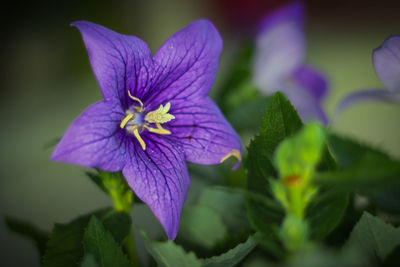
(131,250)
(124,203)
(296,202)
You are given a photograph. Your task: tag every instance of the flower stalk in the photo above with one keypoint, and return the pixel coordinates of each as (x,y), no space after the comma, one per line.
(123,200)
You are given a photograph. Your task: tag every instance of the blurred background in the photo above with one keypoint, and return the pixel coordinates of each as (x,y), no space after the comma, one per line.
(46,82)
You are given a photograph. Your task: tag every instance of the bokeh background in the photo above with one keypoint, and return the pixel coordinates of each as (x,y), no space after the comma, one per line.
(46,81)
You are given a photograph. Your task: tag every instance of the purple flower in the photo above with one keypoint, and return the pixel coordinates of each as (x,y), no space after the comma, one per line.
(386,60)
(155,114)
(278,64)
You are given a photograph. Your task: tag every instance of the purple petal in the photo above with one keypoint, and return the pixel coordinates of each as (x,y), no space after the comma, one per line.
(93,139)
(311,80)
(308,107)
(280,48)
(120,62)
(186,64)
(159,177)
(201,129)
(293,11)
(366,95)
(386,60)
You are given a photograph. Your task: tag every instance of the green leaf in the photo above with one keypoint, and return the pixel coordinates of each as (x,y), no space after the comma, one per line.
(320,256)
(118,223)
(373,238)
(247,116)
(349,152)
(364,170)
(64,247)
(326,212)
(233,256)
(281,120)
(89,261)
(202,225)
(101,244)
(359,166)
(170,254)
(28,231)
(370,172)
(228,204)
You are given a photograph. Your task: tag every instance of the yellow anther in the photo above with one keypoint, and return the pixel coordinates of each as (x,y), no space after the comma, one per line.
(126,119)
(158,130)
(167,107)
(234,153)
(138,137)
(161,129)
(136,99)
(160,115)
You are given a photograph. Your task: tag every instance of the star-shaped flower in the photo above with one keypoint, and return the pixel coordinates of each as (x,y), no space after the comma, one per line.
(386,60)
(155,115)
(279,63)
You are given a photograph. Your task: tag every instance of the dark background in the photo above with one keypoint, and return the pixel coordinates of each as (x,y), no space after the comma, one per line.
(46,81)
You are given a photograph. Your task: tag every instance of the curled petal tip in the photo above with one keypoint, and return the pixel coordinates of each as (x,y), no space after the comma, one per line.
(234,153)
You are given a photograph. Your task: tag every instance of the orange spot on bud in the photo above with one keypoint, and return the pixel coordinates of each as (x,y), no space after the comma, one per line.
(292,180)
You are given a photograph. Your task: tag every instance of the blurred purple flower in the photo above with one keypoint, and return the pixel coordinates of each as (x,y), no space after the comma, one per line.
(386,60)
(155,114)
(278,64)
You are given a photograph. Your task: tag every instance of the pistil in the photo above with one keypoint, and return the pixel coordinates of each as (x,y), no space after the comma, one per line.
(138,100)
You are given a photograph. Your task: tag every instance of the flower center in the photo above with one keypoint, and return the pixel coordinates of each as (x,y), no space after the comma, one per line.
(136,120)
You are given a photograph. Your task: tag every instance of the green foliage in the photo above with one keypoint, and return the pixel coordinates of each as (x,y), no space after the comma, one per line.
(168,253)
(89,261)
(239,73)
(64,247)
(319,256)
(373,238)
(364,170)
(228,204)
(29,231)
(118,223)
(325,212)
(247,116)
(240,101)
(348,152)
(282,121)
(233,256)
(100,243)
(201,225)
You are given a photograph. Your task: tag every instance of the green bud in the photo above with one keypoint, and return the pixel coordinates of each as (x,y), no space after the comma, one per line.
(293,232)
(299,154)
(280,193)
